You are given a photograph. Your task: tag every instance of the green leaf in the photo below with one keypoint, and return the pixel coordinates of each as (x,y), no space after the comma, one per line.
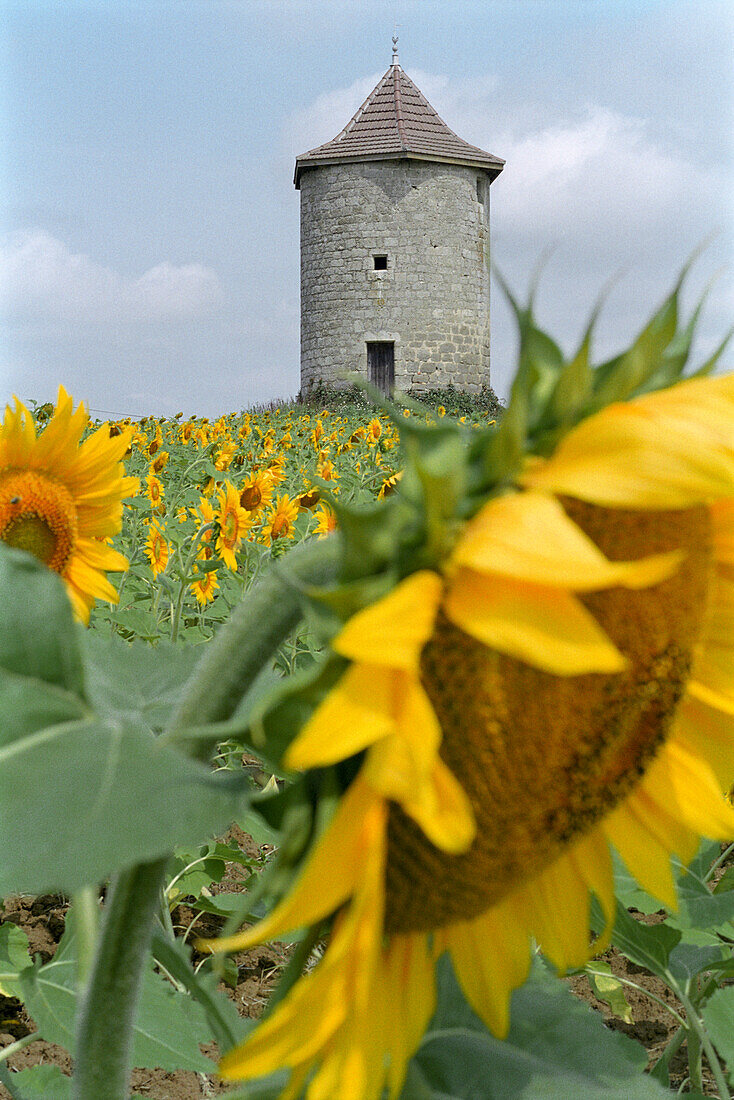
(687,960)
(14,957)
(609,989)
(44,1082)
(556,1048)
(168,1030)
(227,1026)
(648,945)
(726,882)
(38,636)
(629,892)
(97,796)
(138,624)
(138,680)
(718,1016)
(29,704)
(699,907)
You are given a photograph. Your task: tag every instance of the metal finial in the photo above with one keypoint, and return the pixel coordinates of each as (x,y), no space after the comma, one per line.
(395,49)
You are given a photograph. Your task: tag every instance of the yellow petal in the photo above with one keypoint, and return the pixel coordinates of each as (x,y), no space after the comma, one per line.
(330,876)
(408,1000)
(491,957)
(393,631)
(89,580)
(545,627)
(528,536)
(708,732)
(593,862)
(442,810)
(646,858)
(561,931)
(355,713)
(100,556)
(687,785)
(653,452)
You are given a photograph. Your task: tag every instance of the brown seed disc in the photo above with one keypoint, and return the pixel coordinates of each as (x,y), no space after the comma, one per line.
(542,757)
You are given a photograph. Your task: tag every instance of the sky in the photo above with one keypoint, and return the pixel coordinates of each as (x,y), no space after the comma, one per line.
(149,226)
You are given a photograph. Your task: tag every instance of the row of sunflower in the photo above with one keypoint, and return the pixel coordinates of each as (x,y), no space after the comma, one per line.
(217,497)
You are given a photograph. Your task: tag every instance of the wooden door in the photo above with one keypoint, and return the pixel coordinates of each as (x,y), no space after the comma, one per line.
(381,365)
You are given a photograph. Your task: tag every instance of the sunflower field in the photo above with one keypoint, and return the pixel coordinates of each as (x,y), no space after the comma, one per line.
(359,750)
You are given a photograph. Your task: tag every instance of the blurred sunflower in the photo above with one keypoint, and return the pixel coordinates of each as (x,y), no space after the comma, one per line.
(281,520)
(563,682)
(325,521)
(234,523)
(204,587)
(389,485)
(60,499)
(307,501)
(156,549)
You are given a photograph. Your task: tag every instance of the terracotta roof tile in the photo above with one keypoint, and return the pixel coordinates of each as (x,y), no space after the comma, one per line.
(396,120)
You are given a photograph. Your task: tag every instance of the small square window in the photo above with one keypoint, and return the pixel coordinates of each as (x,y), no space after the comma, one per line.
(380,263)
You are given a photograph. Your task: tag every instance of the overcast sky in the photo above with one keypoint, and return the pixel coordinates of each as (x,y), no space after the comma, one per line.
(149,227)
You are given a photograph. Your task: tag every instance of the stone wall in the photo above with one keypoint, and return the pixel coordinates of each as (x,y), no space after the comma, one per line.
(433,298)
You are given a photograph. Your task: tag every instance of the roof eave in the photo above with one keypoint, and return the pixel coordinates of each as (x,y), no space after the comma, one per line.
(493,168)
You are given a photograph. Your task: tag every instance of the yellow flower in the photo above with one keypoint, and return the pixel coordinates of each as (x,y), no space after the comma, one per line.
(307,501)
(204,587)
(155,489)
(156,549)
(389,485)
(224,456)
(256,492)
(233,522)
(281,520)
(60,500)
(441,410)
(326,470)
(325,521)
(565,683)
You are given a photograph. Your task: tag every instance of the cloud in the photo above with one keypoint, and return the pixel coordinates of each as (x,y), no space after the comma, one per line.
(603,174)
(41,279)
(323,119)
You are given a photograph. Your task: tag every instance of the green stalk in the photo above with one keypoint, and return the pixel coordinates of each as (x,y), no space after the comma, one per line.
(109,1004)
(85,908)
(701,1042)
(230,664)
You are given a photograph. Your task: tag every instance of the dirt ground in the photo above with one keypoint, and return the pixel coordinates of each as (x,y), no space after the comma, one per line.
(42,919)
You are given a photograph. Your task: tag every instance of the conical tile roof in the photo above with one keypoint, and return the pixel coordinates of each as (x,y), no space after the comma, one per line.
(396,120)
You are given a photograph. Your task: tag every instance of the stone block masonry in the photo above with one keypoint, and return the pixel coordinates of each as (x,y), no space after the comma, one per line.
(431,299)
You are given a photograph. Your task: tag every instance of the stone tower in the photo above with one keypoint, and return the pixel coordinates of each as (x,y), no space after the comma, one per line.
(394,249)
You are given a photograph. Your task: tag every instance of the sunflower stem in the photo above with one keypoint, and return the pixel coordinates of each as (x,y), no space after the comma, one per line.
(233,659)
(85,907)
(698,1042)
(108,1006)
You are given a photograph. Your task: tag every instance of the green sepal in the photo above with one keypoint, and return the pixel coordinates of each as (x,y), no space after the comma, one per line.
(627,374)
(371,534)
(332,607)
(708,366)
